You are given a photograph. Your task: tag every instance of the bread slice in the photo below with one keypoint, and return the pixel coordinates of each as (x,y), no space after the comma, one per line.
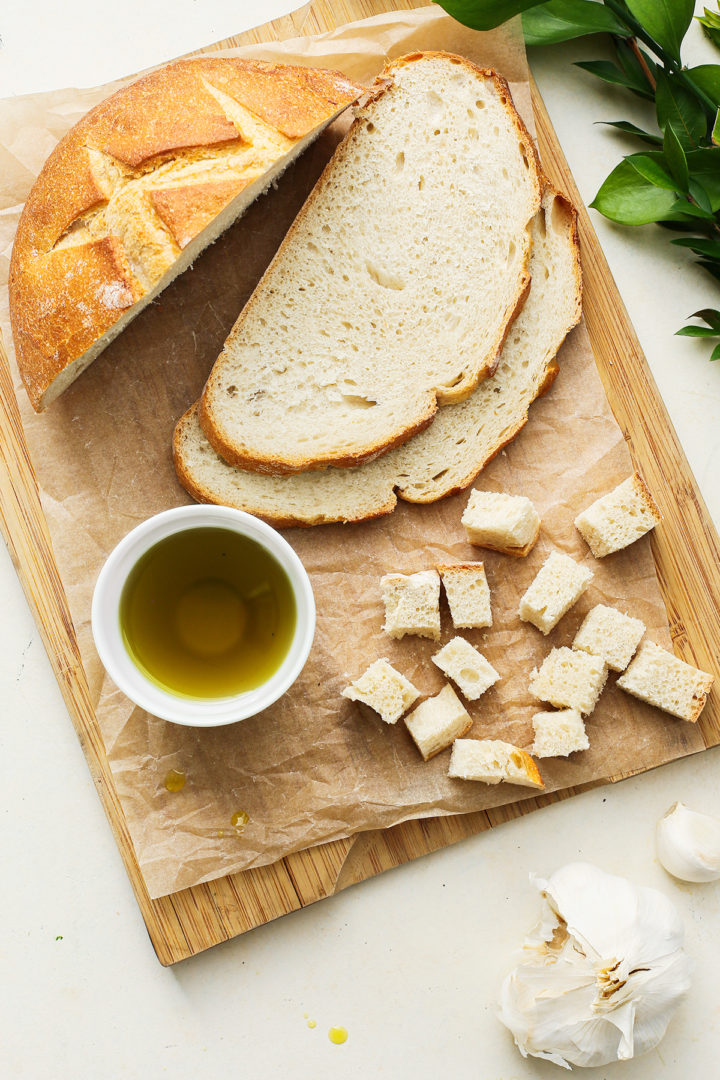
(558,585)
(619,518)
(659,678)
(608,633)
(135,191)
(448,455)
(437,722)
(467,668)
(558,734)
(570,679)
(384,689)
(397,283)
(412,604)
(506,523)
(468,594)
(492,761)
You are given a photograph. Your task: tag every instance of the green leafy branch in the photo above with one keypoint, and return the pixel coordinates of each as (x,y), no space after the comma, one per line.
(676,181)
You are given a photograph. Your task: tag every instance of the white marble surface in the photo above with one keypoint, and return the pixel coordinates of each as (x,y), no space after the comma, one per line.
(410,962)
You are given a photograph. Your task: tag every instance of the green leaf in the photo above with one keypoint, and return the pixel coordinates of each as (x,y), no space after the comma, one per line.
(683,210)
(628,198)
(715,133)
(699,196)
(562,20)
(485,14)
(675,157)
(710,23)
(666,21)
(699,245)
(704,166)
(611,73)
(707,77)
(696,331)
(631,129)
(709,315)
(652,168)
(715,354)
(676,106)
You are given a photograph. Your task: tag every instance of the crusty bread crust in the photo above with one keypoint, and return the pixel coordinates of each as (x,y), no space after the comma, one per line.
(72,276)
(251,458)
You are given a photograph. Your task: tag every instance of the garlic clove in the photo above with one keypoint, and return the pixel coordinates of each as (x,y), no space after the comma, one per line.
(688,844)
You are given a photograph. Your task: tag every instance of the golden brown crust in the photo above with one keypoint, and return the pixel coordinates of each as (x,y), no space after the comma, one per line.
(643,491)
(187,210)
(460,735)
(193,107)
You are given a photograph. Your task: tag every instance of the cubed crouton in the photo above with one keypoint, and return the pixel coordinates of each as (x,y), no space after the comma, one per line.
(506,523)
(659,678)
(468,594)
(558,734)
(608,633)
(467,668)
(619,518)
(491,761)
(559,583)
(412,604)
(436,722)
(385,690)
(570,680)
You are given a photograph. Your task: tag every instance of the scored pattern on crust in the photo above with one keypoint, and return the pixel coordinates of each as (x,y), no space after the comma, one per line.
(139,178)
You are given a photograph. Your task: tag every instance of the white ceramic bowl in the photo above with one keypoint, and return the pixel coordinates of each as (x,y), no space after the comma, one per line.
(207,712)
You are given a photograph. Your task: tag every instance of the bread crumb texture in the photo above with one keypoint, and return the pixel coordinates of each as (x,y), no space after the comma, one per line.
(412,604)
(570,679)
(559,584)
(507,523)
(467,668)
(608,633)
(437,722)
(659,678)
(492,761)
(619,518)
(558,734)
(385,690)
(468,594)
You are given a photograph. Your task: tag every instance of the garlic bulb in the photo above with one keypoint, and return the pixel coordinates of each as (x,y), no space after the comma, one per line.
(603,972)
(688,844)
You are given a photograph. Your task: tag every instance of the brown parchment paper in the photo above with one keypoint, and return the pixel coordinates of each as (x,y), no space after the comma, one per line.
(316,767)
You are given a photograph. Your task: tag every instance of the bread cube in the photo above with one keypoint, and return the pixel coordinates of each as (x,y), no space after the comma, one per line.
(385,690)
(558,734)
(437,722)
(492,761)
(659,678)
(559,583)
(412,604)
(506,523)
(619,518)
(467,668)
(570,680)
(610,634)
(468,594)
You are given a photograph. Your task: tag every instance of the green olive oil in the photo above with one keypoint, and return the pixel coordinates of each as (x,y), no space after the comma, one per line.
(207,613)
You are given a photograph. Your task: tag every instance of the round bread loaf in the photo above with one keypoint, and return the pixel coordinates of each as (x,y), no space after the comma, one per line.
(139,187)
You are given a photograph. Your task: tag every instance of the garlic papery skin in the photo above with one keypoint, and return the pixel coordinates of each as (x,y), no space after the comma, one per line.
(688,844)
(602,973)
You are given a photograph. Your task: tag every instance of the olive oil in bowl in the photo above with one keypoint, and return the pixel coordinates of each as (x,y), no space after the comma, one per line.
(207,613)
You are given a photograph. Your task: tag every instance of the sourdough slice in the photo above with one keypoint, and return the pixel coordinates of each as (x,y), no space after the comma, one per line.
(139,187)
(448,455)
(395,286)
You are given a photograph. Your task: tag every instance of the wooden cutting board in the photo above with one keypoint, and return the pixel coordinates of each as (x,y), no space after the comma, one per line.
(686,552)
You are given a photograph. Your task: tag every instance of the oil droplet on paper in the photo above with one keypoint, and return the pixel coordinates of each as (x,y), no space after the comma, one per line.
(239,821)
(337,1035)
(175,781)
(312,1023)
